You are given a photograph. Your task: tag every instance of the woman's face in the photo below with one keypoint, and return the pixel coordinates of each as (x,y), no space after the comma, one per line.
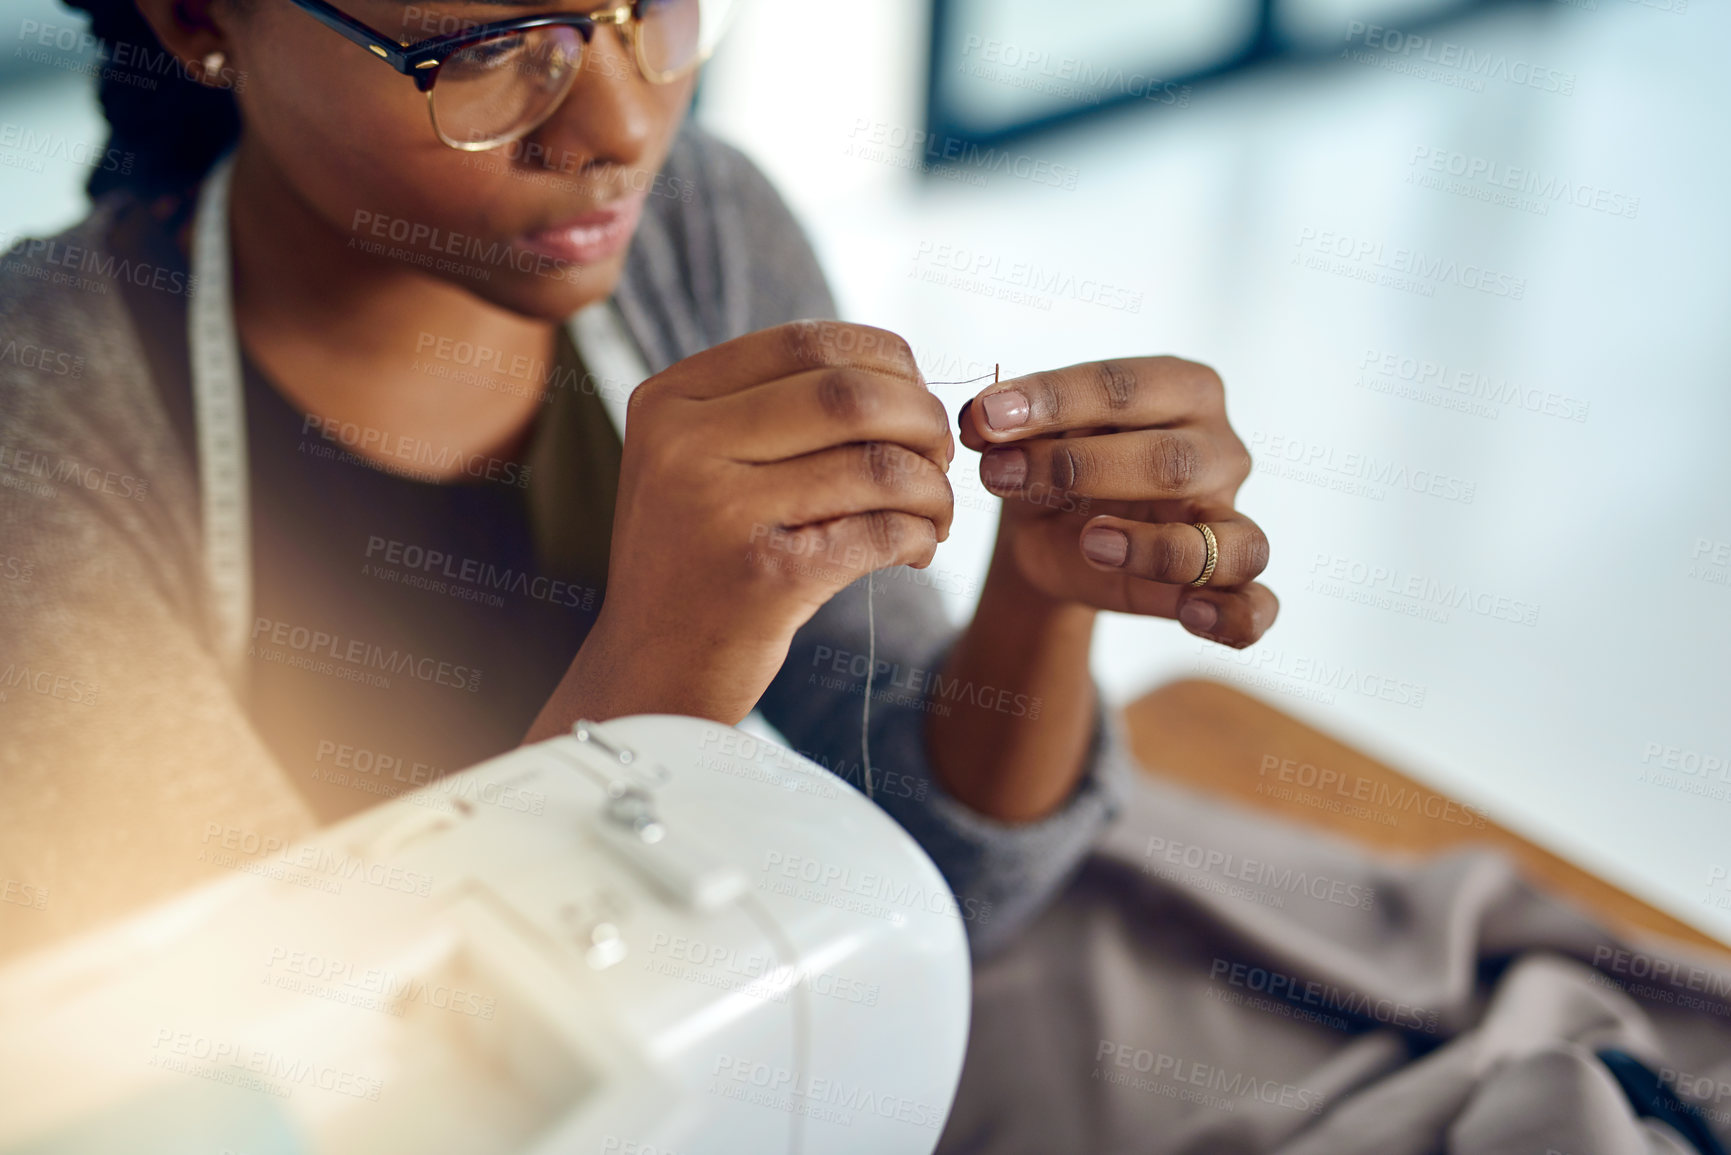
(350,138)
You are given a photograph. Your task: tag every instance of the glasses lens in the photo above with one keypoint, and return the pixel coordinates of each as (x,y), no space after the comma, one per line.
(493,91)
(669,36)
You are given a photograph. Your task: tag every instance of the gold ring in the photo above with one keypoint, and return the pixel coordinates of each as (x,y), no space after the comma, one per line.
(1213,554)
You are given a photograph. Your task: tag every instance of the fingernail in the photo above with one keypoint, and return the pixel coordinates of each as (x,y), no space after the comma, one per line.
(1198,616)
(1007,410)
(1106,546)
(1004,469)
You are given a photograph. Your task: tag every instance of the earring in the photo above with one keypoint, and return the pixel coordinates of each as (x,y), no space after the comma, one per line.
(213,62)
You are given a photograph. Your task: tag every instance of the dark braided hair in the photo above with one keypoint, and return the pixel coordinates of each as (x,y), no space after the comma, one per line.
(174,127)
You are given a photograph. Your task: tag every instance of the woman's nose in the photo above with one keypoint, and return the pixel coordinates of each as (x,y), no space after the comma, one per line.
(608,117)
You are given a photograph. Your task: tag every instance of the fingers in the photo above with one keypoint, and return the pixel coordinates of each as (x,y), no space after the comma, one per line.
(769,354)
(806,412)
(848,480)
(840,551)
(1237,616)
(1174,553)
(1146,464)
(1130,393)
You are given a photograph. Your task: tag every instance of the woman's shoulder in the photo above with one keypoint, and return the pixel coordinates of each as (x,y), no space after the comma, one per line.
(71,281)
(79,414)
(69,338)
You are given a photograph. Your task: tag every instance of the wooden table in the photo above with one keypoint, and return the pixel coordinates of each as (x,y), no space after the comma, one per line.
(1220,741)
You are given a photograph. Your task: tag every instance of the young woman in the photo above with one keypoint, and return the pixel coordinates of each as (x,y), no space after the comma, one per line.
(443,546)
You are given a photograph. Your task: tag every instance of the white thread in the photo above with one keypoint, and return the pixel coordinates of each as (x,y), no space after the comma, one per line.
(865,722)
(865,727)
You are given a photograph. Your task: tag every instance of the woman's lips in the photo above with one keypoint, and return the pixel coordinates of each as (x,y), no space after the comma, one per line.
(592,237)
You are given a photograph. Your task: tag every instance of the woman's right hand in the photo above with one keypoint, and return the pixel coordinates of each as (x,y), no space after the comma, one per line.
(759,478)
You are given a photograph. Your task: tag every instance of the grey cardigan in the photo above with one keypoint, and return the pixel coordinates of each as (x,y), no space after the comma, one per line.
(125,757)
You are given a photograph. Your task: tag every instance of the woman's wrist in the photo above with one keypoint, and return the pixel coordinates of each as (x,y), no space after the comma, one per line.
(1016,753)
(596,686)
(624,669)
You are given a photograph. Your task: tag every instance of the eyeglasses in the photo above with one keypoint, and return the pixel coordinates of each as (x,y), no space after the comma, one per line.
(490,84)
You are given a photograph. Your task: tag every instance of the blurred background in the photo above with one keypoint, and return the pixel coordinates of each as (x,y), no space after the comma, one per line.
(1464,268)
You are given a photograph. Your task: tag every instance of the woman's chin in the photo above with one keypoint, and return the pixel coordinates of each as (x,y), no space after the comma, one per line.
(550,294)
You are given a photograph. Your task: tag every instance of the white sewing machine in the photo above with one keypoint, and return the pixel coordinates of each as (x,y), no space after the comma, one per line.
(655,936)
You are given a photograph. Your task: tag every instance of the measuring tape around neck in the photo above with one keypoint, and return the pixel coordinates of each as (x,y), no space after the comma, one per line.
(219,410)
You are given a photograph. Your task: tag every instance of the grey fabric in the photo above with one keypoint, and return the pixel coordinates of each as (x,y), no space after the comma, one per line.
(124,754)
(1214,981)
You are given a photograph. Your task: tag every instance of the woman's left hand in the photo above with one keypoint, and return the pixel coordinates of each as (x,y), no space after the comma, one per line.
(1104,468)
